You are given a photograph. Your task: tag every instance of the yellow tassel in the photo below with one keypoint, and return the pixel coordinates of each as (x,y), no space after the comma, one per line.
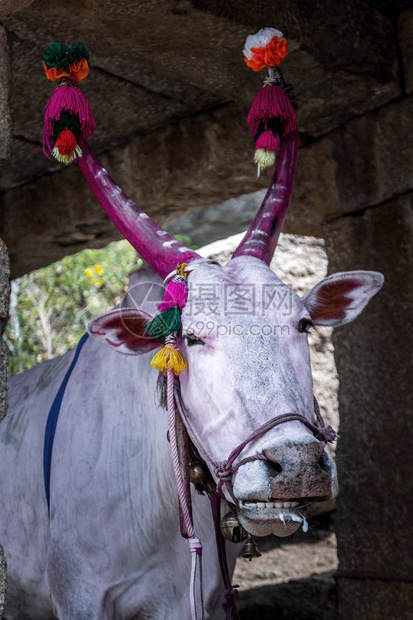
(169,358)
(264,159)
(180,269)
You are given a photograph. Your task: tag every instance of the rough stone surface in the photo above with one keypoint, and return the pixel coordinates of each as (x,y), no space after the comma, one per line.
(3,379)
(389,7)
(4,308)
(4,285)
(374,361)
(381,169)
(314,199)
(343,59)
(170,92)
(5,88)
(300,262)
(8,7)
(328,181)
(405,35)
(164,185)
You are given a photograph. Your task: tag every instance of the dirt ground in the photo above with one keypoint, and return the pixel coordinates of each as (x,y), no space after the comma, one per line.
(293,578)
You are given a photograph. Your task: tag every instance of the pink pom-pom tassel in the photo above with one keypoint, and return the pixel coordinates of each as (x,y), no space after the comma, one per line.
(269,141)
(271,102)
(67,98)
(175,294)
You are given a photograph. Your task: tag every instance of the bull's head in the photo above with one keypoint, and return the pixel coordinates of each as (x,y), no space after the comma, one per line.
(248,357)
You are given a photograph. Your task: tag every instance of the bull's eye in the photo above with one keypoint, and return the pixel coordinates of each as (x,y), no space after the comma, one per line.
(305,325)
(192,339)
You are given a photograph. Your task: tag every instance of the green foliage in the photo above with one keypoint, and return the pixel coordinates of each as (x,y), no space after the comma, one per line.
(55,303)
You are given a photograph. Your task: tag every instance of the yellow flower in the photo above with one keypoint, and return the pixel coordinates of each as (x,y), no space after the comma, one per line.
(89,273)
(97,282)
(99,270)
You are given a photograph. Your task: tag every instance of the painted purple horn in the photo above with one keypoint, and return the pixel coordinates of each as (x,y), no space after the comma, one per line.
(261,238)
(157,247)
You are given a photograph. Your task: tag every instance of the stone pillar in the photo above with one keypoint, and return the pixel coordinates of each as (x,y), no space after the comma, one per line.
(5,147)
(374,357)
(4,308)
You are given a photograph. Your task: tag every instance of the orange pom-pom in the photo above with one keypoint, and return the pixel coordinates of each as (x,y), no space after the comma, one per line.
(78,71)
(271,55)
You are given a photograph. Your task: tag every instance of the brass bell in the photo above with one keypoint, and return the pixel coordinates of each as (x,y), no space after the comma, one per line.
(196,474)
(250,550)
(232,529)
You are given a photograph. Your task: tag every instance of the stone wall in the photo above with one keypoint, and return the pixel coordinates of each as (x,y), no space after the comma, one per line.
(170,92)
(4,311)
(375,364)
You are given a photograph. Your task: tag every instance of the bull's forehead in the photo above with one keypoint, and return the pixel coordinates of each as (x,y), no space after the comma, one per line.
(255,362)
(245,288)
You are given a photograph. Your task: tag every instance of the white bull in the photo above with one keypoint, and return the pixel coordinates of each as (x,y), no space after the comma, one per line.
(111,546)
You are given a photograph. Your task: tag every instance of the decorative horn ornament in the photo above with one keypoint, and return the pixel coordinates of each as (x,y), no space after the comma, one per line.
(232,529)
(273,125)
(250,550)
(157,247)
(261,238)
(69,122)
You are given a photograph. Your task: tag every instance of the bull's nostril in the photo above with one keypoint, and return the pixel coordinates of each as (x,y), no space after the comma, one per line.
(324,462)
(274,467)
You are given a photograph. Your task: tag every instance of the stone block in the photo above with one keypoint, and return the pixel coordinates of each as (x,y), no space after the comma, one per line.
(8,7)
(375,459)
(373,156)
(405,37)
(153,64)
(5,86)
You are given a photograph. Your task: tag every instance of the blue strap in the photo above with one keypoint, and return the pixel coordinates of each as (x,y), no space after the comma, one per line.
(52,420)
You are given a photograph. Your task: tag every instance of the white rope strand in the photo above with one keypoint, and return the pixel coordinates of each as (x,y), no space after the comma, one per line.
(194,543)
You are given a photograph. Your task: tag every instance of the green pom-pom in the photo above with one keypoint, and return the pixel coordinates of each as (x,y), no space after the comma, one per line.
(67,121)
(165,323)
(78,51)
(60,56)
(57,55)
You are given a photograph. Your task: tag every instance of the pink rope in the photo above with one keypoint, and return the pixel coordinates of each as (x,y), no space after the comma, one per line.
(227,469)
(194,542)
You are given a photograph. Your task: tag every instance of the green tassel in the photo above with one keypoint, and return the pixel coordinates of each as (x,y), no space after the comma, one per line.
(67,121)
(165,323)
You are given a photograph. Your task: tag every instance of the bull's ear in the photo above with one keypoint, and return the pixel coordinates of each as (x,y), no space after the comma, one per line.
(124,330)
(338,299)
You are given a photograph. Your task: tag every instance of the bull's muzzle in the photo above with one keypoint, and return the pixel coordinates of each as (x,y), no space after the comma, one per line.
(300,470)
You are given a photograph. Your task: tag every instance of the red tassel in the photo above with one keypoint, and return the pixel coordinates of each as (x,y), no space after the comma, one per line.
(66,147)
